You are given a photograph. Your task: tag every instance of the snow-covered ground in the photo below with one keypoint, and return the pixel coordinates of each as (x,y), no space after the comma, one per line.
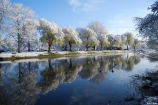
(23,54)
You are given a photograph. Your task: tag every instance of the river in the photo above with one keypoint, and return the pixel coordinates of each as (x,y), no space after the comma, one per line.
(92,80)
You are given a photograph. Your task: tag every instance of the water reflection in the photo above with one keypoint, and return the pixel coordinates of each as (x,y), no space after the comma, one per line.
(22,83)
(18,87)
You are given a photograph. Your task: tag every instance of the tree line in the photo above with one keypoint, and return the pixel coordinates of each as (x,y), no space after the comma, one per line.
(20,31)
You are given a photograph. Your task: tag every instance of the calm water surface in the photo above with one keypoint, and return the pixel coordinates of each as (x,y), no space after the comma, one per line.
(95,80)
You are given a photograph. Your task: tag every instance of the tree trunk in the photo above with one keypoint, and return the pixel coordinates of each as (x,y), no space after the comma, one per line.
(70,45)
(86,47)
(94,48)
(49,47)
(101,46)
(87,44)
(19,43)
(29,46)
(127,47)
(66,47)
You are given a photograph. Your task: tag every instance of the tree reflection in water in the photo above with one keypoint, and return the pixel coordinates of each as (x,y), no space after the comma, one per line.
(18,84)
(21,83)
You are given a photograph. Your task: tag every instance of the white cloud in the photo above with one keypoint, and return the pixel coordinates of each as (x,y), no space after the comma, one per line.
(85,5)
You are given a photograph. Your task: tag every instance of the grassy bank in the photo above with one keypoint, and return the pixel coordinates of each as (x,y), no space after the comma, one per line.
(63,54)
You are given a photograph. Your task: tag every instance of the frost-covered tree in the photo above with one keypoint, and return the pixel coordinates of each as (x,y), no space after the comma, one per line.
(5,9)
(148,25)
(101,32)
(30,31)
(50,33)
(103,41)
(98,28)
(111,41)
(117,42)
(71,37)
(9,44)
(135,44)
(20,19)
(129,39)
(123,40)
(88,36)
(93,42)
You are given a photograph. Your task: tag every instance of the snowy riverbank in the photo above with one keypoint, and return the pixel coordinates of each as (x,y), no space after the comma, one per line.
(37,54)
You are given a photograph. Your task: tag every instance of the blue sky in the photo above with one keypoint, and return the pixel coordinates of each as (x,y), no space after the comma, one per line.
(116,15)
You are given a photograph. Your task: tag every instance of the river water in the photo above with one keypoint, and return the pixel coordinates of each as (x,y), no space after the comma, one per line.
(93,80)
